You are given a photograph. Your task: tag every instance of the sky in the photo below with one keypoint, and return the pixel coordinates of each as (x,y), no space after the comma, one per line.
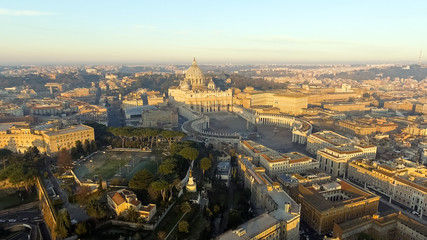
(215,32)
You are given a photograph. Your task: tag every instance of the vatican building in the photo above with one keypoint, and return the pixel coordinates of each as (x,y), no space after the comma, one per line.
(199,93)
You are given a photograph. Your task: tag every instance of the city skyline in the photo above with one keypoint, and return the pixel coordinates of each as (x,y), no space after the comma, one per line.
(239,32)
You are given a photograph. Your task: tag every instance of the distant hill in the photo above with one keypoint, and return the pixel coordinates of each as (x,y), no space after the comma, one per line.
(417,72)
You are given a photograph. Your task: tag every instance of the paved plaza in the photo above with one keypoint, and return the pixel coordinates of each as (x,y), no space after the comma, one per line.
(277,138)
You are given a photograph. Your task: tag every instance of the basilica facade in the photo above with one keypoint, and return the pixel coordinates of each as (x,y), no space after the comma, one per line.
(200,94)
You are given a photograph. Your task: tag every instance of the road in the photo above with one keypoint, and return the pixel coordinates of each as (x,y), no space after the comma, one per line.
(406,212)
(32,217)
(230,201)
(115,117)
(175,225)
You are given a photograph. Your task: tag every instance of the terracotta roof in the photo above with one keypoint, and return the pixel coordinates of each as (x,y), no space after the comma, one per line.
(135,202)
(384,172)
(147,208)
(304,159)
(118,199)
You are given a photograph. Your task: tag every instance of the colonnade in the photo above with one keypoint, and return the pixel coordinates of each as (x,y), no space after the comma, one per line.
(280,121)
(210,106)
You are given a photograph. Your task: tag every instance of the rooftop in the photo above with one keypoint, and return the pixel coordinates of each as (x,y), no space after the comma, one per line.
(313,195)
(74,128)
(250,228)
(332,137)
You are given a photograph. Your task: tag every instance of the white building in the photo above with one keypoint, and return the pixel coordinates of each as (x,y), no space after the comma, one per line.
(281,221)
(333,160)
(320,140)
(123,200)
(200,95)
(275,162)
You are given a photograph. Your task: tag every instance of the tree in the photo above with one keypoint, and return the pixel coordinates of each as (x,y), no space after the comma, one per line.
(82,193)
(167,166)
(32,153)
(21,172)
(152,134)
(185,207)
(183,226)
(170,135)
(100,187)
(5,153)
(132,215)
(161,235)
(86,146)
(63,223)
(141,179)
(81,228)
(189,153)
(79,148)
(176,147)
(95,209)
(93,146)
(216,209)
(64,160)
(161,186)
(118,133)
(205,164)
(234,218)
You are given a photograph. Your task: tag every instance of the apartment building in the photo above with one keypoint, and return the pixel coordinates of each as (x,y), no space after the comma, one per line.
(333,160)
(405,186)
(323,139)
(335,202)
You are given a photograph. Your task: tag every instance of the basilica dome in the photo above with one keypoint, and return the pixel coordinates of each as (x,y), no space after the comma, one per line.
(194,76)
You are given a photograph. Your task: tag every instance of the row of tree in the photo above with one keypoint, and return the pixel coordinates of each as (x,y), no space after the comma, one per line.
(145,136)
(21,168)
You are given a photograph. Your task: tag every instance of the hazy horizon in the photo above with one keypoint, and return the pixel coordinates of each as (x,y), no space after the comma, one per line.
(238,32)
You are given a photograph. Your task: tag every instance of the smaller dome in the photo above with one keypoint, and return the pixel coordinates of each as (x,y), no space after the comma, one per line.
(211,84)
(184,85)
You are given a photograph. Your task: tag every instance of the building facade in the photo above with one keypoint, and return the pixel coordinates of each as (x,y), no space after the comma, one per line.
(319,140)
(333,160)
(199,94)
(395,226)
(400,184)
(123,200)
(281,221)
(276,163)
(19,138)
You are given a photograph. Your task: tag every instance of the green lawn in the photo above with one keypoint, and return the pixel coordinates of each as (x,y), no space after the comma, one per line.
(109,169)
(107,165)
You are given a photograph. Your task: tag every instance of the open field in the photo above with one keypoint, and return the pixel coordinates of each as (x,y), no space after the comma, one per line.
(116,164)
